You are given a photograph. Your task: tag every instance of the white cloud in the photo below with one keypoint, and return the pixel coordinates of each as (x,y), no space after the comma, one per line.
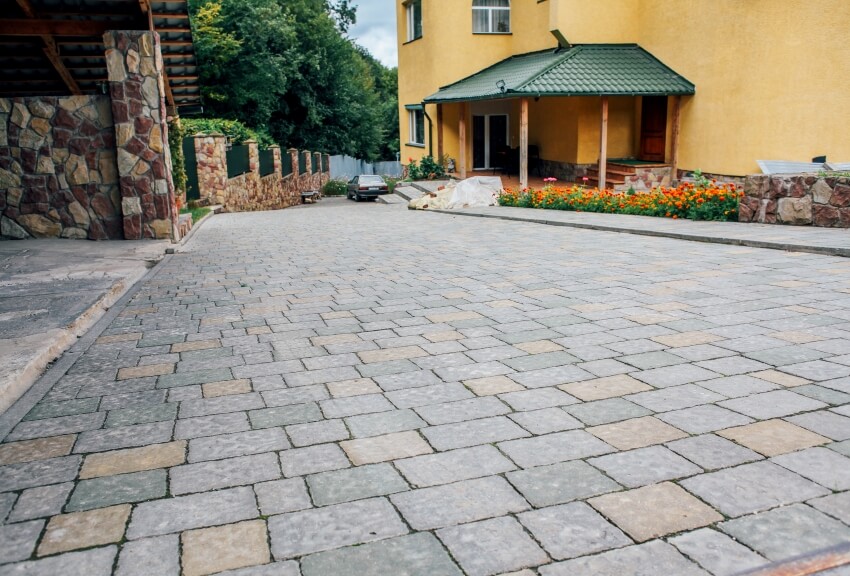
(376,29)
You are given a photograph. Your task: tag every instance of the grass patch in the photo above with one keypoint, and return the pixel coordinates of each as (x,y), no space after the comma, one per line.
(197,213)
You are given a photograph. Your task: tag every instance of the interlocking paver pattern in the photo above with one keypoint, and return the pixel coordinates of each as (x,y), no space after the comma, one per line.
(501,398)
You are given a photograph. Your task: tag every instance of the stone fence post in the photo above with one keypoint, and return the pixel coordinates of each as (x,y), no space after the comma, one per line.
(276,161)
(308,161)
(327,164)
(253,157)
(317,162)
(293,159)
(211,158)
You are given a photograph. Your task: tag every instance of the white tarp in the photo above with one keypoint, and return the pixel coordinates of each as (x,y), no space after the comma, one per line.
(475,192)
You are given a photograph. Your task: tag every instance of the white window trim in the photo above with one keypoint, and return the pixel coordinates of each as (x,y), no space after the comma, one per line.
(415,139)
(491,25)
(410,16)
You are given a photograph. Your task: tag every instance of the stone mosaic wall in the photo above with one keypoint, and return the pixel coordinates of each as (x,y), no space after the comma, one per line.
(134,63)
(58,173)
(211,157)
(802,199)
(647,178)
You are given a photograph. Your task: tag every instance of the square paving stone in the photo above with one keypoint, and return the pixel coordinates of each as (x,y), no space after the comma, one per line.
(701,352)
(279,496)
(823,394)
(384,423)
(821,465)
(221,405)
(786,532)
(644,466)
(636,433)
(95,562)
(716,552)
(66,408)
(38,502)
(492,546)
(772,404)
(553,448)
(317,432)
(123,437)
(237,444)
(674,375)
(158,555)
(458,503)
(63,425)
(656,557)
(492,385)
(650,360)
(17,541)
(713,452)
(706,418)
(312,459)
(602,388)
(354,405)
(675,398)
(405,380)
(353,387)
(38,449)
(436,394)
(752,487)
(216,474)
(288,396)
(606,411)
(537,399)
(540,361)
(110,490)
(836,505)
(551,376)
(780,378)
(560,483)
(773,437)
(825,423)
(141,415)
(386,447)
(355,484)
(738,386)
(298,533)
(544,421)
(285,415)
(210,550)
(461,410)
(447,467)
(818,370)
(227,388)
(572,530)
(653,511)
(84,529)
(40,473)
(415,555)
(733,365)
(473,433)
(134,459)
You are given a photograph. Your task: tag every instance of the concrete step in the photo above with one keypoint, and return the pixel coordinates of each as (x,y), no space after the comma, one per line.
(391,199)
(409,192)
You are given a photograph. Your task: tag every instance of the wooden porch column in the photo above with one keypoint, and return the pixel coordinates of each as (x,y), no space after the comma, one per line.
(674,144)
(462,137)
(523,143)
(603,145)
(439,132)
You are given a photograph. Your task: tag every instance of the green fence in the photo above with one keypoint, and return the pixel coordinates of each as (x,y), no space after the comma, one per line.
(193,192)
(286,165)
(266,162)
(302,163)
(238,162)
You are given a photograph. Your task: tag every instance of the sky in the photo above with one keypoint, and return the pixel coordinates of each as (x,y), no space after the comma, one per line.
(376,30)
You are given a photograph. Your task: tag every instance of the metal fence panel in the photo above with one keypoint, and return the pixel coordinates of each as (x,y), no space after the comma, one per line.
(266,162)
(286,161)
(238,161)
(346,167)
(193,191)
(302,163)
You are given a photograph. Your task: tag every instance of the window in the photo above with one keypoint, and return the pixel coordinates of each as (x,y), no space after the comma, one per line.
(491,16)
(414,20)
(416,120)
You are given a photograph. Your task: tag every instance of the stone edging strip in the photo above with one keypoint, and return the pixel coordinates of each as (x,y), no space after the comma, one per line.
(824,250)
(16,412)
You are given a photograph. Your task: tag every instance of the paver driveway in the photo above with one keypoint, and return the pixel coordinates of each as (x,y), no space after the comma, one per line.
(358,389)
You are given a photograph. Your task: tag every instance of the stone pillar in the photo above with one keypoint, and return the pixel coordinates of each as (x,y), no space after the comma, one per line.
(278,164)
(136,85)
(253,157)
(327,164)
(308,161)
(211,158)
(317,162)
(293,158)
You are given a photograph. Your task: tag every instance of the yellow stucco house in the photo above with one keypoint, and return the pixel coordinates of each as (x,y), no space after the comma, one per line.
(553,86)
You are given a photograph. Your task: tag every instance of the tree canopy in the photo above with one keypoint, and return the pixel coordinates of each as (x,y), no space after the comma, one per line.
(287,68)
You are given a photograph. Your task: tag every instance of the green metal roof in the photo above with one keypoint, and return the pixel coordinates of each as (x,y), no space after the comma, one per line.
(584,70)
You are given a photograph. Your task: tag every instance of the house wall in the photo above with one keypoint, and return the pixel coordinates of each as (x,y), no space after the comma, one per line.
(768,74)
(58,172)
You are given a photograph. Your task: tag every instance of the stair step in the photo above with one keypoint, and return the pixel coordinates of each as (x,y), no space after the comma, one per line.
(594,171)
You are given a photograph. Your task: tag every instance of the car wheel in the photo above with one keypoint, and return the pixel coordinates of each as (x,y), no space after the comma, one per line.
(357,197)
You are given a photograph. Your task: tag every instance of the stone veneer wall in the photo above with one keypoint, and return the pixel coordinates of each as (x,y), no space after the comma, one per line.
(134,63)
(211,158)
(647,177)
(563,171)
(800,199)
(58,174)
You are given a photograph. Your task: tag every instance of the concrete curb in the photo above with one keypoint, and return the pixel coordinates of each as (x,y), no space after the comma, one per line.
(78,339)
(195,225)
(787,247)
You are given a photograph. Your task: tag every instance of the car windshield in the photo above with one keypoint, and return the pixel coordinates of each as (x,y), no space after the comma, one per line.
(371,180)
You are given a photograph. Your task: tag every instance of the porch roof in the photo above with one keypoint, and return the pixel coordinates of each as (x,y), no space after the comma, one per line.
(583,70)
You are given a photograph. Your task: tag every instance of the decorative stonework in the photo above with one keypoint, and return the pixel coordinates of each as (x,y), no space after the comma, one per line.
(58,173)
(802,199)
(136,84)
(211,158)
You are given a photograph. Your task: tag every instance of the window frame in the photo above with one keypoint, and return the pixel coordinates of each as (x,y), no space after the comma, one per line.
(415,118)
(410,19)
(491,10)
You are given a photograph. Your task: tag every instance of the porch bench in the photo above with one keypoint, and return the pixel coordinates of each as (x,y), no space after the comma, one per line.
(310,196)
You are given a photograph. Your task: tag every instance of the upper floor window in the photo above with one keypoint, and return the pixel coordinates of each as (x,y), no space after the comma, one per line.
(491,16)
(416,125)
(413,10)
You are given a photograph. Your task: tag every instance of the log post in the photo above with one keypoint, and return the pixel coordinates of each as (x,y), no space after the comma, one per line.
(462,136)
(439,132)
(674,144)
(603,145)
(523,144)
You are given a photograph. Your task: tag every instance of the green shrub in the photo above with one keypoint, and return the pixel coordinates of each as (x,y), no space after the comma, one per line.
(427,169)
(176,133)
(233,129)
(335,187)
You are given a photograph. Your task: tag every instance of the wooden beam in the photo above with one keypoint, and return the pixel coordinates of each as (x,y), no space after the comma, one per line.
(41,27)
(603,145)
(51,51)
(523,143)
(462,137)
(439,131)
(674,143)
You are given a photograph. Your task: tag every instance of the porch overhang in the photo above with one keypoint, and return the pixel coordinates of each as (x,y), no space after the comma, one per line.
(583,70)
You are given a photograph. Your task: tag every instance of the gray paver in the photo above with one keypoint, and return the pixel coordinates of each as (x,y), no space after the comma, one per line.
(110,490)
(56,426)
(560,483)
(317,432)
(713,452)
(216,474)
(463,464)
(285,415)
(675,398)
(675,375)
(384,423)
(461,410)
(458,503)
(551,376)
(537,399)
(298,533)
(211,425)
(705,418)
(472,433)
(644,466)
(825,423)
(836,505)
(772,404)
(38,473)
(279,496)
(94,562)
(350,484)
(312,459)
(221,404)
(606,411)
(544,421)
(123,437)
(654,557)
(354,405)
(436,394)
(820,465)
(716,552)
(237,444)
(17,541)
(492,546)
(141,415)
(553,448)
(40,502)
(572,530)
(158,555)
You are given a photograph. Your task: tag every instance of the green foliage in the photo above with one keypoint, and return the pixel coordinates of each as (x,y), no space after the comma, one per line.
(700,181)
(176,133)
(285,68)
(426,169)
(391,183)
(235,130)
(197,212)
(335,187)
(834,174)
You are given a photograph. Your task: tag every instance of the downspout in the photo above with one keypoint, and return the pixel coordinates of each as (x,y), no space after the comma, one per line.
(430,131)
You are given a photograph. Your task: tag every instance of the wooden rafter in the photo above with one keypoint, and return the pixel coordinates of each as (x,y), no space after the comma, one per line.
(41,27)
(51,51)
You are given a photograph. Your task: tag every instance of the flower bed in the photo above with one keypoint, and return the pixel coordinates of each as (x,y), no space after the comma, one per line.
(703,200)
